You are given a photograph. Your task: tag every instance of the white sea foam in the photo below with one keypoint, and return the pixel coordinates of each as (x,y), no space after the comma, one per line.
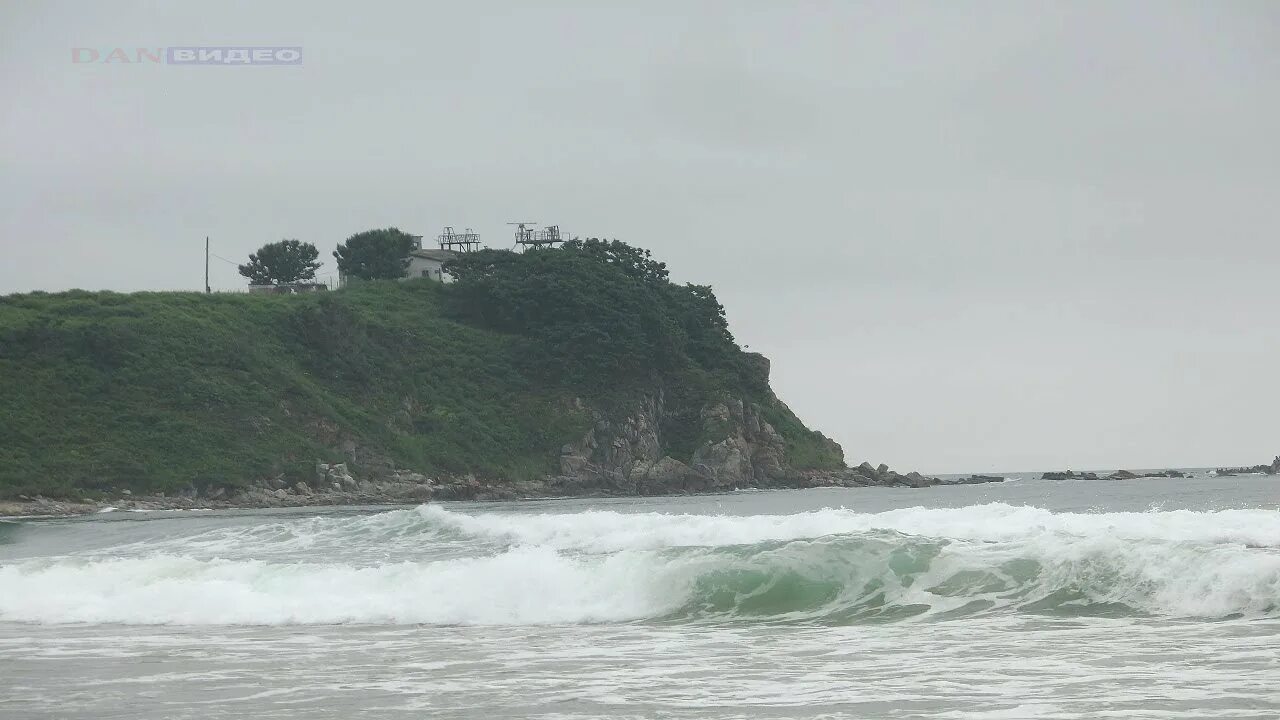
(822,566)
(526,585)
(606,531)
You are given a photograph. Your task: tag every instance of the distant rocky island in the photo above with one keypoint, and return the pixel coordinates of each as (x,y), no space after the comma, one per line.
(1272,469)
(1117,475)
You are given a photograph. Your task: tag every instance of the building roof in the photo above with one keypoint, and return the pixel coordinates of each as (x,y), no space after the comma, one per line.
(434,254)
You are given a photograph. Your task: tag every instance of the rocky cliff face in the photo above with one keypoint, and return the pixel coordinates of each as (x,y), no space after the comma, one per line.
(628,455)
(623,452)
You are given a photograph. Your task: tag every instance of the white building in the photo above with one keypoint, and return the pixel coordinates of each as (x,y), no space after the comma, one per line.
(427,264)
(423,263)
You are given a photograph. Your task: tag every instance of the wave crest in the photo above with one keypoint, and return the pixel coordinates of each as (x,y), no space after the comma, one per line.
(829,566)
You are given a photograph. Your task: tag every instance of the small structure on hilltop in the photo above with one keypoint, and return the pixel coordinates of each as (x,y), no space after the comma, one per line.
(465,241)
(429,263)
(528,238)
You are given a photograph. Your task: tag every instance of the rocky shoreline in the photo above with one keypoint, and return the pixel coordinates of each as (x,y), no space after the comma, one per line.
(1272,469)
(620,454)
(335,485)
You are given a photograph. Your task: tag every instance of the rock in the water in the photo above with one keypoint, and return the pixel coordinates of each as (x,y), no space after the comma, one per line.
(1130,475)
(977,479)
(1069,475)
(866,475)
(916,480)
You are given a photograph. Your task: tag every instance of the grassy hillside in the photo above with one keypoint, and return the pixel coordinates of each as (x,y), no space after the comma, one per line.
(160,391)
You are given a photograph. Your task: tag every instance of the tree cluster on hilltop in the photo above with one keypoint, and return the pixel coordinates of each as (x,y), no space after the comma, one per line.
(380,254)
(281,263)
(599,311)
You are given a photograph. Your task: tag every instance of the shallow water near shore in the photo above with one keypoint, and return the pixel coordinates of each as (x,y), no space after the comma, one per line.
(1027,599)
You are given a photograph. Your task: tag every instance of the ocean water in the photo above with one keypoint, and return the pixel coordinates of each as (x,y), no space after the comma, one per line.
(1153,598)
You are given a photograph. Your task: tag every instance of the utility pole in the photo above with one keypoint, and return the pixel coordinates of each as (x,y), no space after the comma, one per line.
(206,265)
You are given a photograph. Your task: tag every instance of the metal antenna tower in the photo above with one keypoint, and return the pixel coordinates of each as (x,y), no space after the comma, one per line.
(465,241)
(530,238)
(549,236)
(524,234)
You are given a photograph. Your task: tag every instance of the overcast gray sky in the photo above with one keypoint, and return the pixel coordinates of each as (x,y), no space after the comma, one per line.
(971,235)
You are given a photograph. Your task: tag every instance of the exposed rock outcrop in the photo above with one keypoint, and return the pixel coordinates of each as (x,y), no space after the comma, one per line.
(627,454)
(752,452)
(1069,475)
(740,448)
(977,480)
(1131,475)
(1272,469)
(619,454)
(40,506)
(1117,475)
(865,475)
(335,476)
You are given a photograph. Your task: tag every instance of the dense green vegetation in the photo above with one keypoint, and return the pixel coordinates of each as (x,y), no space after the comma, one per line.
(603,315)
(375,254)
(286,261)
(161,391)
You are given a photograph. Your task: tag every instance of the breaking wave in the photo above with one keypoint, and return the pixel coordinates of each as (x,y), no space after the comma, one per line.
(433,566)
